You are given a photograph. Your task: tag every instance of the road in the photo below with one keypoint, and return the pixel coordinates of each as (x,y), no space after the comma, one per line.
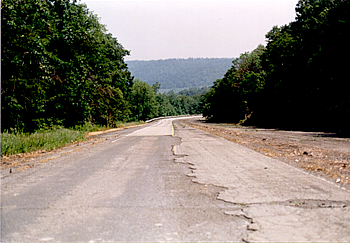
(166,181)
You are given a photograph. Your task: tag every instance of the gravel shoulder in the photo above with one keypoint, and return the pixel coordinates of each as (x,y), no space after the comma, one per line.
(323,154)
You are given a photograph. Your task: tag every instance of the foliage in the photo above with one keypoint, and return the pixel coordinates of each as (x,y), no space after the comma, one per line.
(193,91)
(144,102)
(148,103)
(48,139)
(298,81)
(232,98)
(60,67)
(175,74)
(185,105)
(40,140)
(306,64)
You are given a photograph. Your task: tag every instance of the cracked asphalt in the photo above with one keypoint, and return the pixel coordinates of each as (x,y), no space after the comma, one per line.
(166,181)
(279,201)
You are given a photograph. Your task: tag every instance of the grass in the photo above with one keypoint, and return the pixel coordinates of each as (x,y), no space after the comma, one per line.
(40,140)
(48,139)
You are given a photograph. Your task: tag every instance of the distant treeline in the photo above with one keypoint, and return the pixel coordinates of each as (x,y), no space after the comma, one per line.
(180,73)
(149,103)
(298,81)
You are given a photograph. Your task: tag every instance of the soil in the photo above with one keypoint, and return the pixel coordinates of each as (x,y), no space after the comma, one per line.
(323,154)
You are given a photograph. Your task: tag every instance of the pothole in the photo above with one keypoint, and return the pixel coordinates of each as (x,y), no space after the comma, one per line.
(313,203)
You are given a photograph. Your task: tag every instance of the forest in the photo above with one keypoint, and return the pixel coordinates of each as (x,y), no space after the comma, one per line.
(60,67)
(297,81)
(175,74)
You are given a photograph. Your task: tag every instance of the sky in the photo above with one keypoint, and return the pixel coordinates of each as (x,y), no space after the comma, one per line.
(163,29)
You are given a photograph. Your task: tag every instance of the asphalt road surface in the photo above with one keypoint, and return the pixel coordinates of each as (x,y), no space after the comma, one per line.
(166,181)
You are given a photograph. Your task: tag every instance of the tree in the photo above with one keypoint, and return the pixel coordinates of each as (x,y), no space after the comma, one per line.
(60,66)
(305,86)
(144,102)
(233,97)
(165,107)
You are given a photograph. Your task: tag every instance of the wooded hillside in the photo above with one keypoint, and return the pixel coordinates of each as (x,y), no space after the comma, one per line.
(180,73)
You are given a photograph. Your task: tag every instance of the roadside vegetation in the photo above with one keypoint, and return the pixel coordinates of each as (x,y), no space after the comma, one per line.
(61,68)
(50,138)
(39,140)
(297,81)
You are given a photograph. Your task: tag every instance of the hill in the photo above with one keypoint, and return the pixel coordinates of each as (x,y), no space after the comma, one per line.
(174,74)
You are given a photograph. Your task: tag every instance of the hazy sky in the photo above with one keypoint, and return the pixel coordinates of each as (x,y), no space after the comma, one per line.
(182,29)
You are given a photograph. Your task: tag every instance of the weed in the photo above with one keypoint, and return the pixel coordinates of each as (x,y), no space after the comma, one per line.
(48,139)
(40,140)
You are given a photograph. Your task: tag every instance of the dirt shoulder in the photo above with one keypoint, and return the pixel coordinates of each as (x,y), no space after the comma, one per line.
(323,154)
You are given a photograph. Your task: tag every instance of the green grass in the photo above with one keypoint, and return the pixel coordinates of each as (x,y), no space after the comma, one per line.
(40,140)
(48,139)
